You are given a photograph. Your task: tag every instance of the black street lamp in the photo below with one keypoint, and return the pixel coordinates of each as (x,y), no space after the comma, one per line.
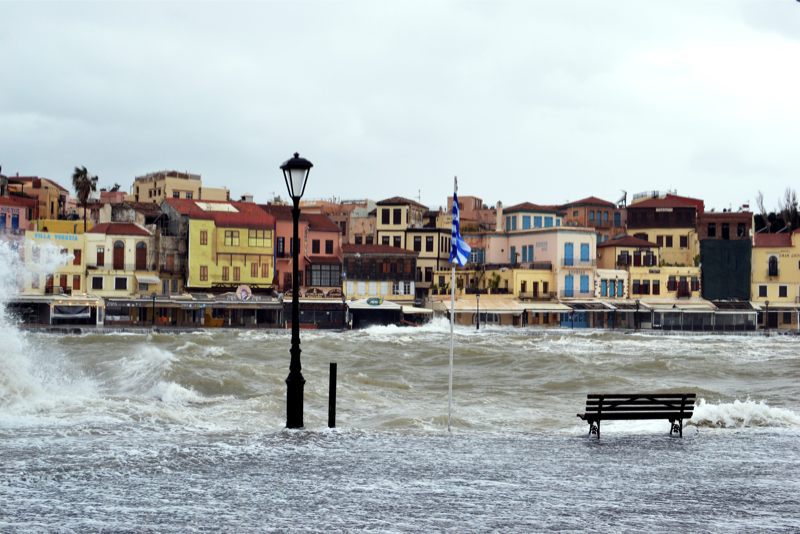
(766,317)
(636,316)
(295,172)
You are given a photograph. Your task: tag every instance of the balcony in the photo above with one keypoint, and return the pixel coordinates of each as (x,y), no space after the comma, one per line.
(130,267)
(576,263)
(575,294)
(550,295)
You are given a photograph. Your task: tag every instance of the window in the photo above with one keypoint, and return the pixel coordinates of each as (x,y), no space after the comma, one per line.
(637,287)
(369,239)
(189,194)
(204,273)
(620,288)
(726,231)
(397,216)
(568,286)
(603,288)
(176,194)
(684,241)
(396,289)
(568,250)
(782,291)
(645,287)
(417,243)
(385,240)
(660,240)
(120,283)
(325,275)
(281,246)
(524,254)
(669,241)
(174,284)
(672,284)
(612,289)
(329,246)
(253,270)
(537,221)
(584,284)
(231,238)
(605,216)
(385,215)
(428,274)
(526,222)
(315,246)
(762,291)
(513,256)
(617,219)
(101,256)
(237,274)
(204,237)
(712,230)
(773,266)
(119,255)
(265,270)
(429,243)
(787,317)
(656,287)
(591,216)
(359,239)
(76,282)
(97,282)
(397,240)
(548,222)
(225,274)
(584,251)
(740,230)
(259,238)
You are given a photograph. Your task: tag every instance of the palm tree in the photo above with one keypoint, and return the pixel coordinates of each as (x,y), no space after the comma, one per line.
(84,185)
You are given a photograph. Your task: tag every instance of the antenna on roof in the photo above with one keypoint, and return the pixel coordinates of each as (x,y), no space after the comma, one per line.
(623,201)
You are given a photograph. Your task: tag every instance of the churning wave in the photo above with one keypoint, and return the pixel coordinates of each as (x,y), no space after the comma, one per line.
(742,414)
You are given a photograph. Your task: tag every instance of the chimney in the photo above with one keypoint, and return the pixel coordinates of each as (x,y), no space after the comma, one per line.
(499,223)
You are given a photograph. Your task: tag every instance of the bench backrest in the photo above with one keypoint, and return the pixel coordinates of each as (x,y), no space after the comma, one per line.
(598,403)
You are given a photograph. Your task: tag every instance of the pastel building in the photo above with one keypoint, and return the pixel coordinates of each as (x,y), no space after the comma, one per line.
(670,221)
(527,216)
(120,260)
(51,197)
(14,215)
(776,279)
(606,218)
(158,186)
(230,244)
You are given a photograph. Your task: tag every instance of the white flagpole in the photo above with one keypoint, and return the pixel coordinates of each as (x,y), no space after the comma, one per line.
(452,322)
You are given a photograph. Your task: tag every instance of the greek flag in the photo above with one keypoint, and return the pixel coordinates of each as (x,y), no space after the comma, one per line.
(459,250)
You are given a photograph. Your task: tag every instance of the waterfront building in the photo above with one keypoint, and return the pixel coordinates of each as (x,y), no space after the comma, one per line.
(475,216)
(155,187)
(527,216)
(670,221)
(606,218)
(379,281)
(776,279)
(120,260)
(725,255)
(406,224)
(50,196)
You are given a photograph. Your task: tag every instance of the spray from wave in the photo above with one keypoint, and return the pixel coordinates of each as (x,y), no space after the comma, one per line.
(742,414)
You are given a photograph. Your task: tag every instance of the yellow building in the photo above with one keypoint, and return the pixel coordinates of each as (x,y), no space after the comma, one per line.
(51,197)
(669,221)
(60,226)
(776,278)
(230,244)
(55,264)
(121,261)
(159,186)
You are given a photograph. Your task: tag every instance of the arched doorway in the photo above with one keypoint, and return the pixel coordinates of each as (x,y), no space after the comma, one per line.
(119,256)
(141,256)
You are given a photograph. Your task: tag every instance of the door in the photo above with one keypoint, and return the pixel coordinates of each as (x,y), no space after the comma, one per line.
(568,254)
(62,281)
(569,286)
(119,256)
(141,256)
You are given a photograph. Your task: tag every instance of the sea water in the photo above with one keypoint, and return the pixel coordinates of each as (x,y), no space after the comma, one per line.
(184,432)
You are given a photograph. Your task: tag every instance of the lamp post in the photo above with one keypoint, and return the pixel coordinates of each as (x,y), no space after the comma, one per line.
(636,316)
(295,173)
(766,317)
(154,310)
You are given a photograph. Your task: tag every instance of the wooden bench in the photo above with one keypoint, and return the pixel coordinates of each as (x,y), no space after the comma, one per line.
(674,407)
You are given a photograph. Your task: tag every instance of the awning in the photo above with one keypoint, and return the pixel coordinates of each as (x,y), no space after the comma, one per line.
(373,304)
(591,306)
(733,306)
(627,306)
(688,306)
(776,306)
(413,310)
(547,307)
(501,305)
(71,312)
(147,279)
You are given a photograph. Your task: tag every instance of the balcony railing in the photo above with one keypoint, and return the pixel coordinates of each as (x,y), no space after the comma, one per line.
(578,263)
(529,295)
(574,293)
(109,266)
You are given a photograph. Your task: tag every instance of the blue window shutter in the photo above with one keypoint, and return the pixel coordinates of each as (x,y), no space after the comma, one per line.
(619,288)
(524,254)
(526,222)
(530,252)
(537,221)
(513,255)
(584,283)
(548,222)
(568,249)
(584,251)
(568,285)
(604,288)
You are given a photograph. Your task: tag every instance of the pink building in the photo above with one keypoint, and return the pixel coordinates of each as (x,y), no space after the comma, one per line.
(320,253)
(14,215)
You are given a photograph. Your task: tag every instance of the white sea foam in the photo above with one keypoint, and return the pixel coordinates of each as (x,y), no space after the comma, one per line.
(742,414)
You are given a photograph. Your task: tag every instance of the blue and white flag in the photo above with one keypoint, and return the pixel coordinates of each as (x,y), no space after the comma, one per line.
(459,250)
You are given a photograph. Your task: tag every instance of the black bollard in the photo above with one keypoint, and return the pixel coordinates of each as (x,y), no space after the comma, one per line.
(332,397)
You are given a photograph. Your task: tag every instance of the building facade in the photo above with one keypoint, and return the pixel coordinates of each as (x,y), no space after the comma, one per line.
(156,187)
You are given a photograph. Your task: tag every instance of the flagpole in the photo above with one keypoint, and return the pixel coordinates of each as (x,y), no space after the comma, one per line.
(452,322)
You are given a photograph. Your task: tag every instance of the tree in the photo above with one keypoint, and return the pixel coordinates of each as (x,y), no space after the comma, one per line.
(84,184)
(788,208)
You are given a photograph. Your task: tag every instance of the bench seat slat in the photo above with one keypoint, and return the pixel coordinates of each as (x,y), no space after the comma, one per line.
(617,396)
(637,415)
(611,409)
(638,402)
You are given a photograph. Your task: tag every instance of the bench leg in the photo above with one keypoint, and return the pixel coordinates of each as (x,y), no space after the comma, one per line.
(594,428)
(677,428)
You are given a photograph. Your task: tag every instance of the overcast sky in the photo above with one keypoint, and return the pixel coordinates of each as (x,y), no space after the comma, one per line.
(523,101)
